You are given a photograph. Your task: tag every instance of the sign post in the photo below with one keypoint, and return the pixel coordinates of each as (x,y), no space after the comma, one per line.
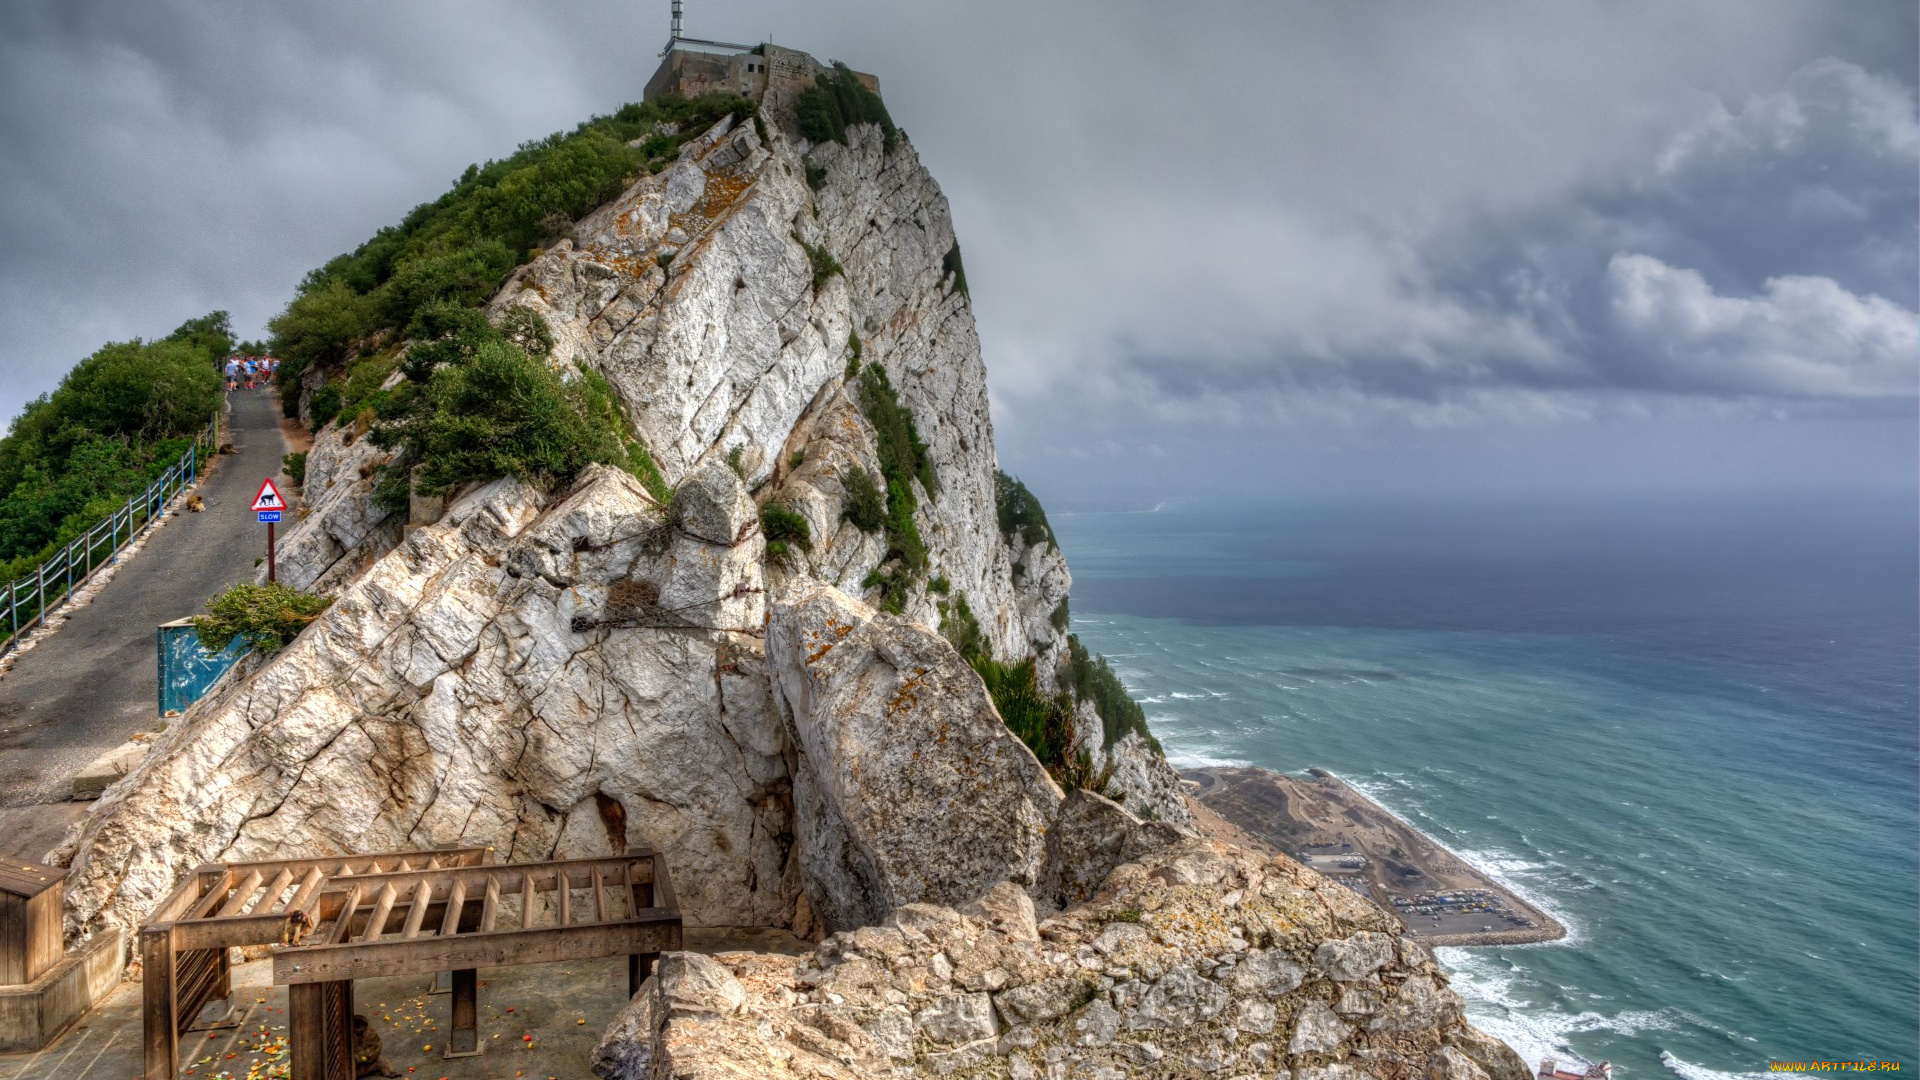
(267,505)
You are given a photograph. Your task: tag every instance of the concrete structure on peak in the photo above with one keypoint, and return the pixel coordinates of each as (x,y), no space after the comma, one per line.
(693,66)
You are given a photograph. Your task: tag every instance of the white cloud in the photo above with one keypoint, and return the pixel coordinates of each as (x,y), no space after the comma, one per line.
(1802,337)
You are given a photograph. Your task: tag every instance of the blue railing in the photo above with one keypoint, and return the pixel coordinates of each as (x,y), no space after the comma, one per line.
(26,601)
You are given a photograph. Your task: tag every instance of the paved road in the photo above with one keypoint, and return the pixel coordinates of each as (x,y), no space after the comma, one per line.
(83,690)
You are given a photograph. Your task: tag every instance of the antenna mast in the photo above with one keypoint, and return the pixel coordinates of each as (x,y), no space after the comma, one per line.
(676,20)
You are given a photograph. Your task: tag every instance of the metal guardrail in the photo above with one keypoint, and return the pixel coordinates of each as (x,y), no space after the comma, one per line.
(26,601)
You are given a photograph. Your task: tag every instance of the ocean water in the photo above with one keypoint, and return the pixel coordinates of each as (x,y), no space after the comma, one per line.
(1687,729)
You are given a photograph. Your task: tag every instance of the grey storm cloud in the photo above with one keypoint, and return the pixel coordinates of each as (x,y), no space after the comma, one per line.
(1469,206)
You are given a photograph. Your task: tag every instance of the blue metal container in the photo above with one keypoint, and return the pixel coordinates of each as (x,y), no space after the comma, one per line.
(187,669)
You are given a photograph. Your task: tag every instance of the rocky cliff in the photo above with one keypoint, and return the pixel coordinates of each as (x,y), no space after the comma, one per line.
(629,662)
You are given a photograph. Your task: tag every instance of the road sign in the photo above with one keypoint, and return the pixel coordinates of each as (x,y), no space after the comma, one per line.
(268,517)
(269,498)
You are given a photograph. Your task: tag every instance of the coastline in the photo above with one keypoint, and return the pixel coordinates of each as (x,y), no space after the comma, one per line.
(1334,828)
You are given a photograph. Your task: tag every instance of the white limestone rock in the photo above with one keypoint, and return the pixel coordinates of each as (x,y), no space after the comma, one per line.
(908,787)
(482,684)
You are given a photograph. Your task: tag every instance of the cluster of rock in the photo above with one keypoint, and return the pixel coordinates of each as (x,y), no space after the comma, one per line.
(1196,960)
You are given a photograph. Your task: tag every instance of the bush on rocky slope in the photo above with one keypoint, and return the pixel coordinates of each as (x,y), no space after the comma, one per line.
(461,246)
(903,460)
(1092,679)
(489,410)
(267,616)
(838,101)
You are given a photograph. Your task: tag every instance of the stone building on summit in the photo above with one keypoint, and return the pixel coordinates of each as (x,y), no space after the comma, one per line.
(692,66)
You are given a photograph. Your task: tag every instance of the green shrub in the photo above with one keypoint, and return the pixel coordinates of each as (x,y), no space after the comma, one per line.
(1019,512)
(460,247)
(266,616)
(733,461)
(866,505)
(816,176)
(956,270)
(838,101)
(1061,618)
(296,466)
(824,265)
(903,461)
(940,585)
(1093,680)
(118,419)
(500,412)
(962,630)
(785,526)
(323,406)
(1044,723)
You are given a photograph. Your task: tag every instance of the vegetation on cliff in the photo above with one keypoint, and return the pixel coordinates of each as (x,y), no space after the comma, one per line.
(460,247)
(903,460)
(117,421)
(838,101)
(1043,722)
(267,616)
(1092,679)
(477,405)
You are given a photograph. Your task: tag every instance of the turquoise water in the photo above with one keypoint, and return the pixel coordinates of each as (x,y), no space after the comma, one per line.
(1686,730)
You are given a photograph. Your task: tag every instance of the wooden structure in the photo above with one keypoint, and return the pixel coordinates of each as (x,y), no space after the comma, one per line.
(30,912)
(44,989)
(183,946)
(330,925)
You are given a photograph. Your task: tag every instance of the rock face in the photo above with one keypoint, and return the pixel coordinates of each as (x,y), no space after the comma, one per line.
(551,677)
(908,785)
(1196,960)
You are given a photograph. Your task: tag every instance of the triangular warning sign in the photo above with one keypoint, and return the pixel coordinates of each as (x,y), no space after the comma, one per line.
(269,497)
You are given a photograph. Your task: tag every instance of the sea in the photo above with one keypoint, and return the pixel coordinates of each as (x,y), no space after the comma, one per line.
(1685,727)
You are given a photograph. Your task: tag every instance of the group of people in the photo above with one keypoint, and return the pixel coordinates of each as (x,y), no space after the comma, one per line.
(255,371)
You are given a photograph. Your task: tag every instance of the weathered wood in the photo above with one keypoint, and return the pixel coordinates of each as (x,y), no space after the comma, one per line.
(417,912)
(564,890)
(464,1034)
(343,926)
(490,906)
(309,888)
(382,907)
(160,1035)
(456,900)
(368,960)
(526,901)
(599,896)
(320,1030)
(270,900)
(241,894)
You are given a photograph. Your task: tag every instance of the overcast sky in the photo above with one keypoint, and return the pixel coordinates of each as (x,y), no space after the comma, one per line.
(1308,246)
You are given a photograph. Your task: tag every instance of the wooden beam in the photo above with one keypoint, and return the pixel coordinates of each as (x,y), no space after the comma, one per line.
(564,890)
(343,926)
(599,896)
(490,906)
(369,960)
(526,900)
(241,894)
(417,912)
(382,907)
(159,1028)
(456,899)
(309,886)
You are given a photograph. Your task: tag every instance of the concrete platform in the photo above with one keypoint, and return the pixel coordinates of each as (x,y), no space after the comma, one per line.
(564,1008)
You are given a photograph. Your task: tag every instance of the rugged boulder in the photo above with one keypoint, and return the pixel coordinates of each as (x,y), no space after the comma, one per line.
(908,786)
(1196,960)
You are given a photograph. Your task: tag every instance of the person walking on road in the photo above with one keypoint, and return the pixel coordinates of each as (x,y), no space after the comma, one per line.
(233,373)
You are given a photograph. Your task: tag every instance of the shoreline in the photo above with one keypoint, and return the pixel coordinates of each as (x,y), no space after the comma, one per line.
(1334,828)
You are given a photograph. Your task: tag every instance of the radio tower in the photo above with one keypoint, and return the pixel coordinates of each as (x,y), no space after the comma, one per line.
(676,21)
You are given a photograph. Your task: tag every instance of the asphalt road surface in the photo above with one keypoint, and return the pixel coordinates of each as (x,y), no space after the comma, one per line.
(94,682)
